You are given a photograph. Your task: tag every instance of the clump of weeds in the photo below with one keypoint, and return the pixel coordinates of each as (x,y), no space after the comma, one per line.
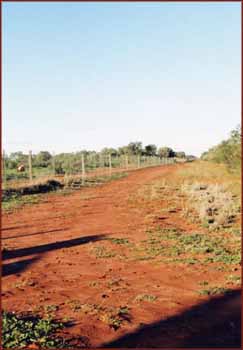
(146,297)
(102,252)
(115,317)
(203,283)
(214,291)
(233,279)
(119,240)
(21,331)
(215,206)
(94,284)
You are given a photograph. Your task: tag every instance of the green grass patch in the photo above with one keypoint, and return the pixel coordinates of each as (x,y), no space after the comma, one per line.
(119,240)
(19,331)
(101,252)
(17,202)
(177,245)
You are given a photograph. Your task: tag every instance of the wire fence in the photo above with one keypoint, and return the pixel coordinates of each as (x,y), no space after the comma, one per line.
(86,166)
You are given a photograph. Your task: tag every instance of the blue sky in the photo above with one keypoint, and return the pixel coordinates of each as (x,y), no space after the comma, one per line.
(94,75)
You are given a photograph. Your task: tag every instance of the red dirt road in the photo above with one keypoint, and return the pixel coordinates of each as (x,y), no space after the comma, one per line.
(59,253)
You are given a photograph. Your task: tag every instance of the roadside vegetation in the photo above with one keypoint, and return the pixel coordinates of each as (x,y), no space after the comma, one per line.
(190,226)
(15,198)
(228,152)
(45,164)
(20,331)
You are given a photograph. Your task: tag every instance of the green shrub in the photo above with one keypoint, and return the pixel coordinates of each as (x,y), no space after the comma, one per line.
(20,331)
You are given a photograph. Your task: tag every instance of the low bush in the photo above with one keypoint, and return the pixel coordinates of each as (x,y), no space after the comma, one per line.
(214,204)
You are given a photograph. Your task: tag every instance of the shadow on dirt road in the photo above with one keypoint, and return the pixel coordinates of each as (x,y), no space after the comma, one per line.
(212,324)
(17,253)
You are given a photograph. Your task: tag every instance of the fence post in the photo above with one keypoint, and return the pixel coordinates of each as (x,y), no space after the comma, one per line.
(100,161)
(4,177)
(54,163)
(83,168)
(94,162)
(138,161)
(110,163)
(126,161)
(30,166)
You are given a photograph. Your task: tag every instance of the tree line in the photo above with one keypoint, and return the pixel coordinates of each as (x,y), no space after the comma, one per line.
(63,161)
(227,152)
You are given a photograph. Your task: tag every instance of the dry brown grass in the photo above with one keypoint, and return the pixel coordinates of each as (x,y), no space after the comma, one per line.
(212,192)
(214,204)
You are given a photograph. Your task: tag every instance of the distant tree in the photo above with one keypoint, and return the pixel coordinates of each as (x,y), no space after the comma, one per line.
(135,148)
(111,151)
(19,157)
(227,152)
(9,163)
(166,152)
(150,150)
(42,159)
(15,159)
(123,150)
(180,154)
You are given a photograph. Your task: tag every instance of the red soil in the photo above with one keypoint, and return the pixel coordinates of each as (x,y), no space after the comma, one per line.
(52,245)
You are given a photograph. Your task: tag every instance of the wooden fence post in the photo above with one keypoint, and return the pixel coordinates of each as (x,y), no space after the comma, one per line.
(110,163)
(138,161)
(121,161)
(4,177)
(94,160)
(83,168)
(54,163)
(30,166)
(126,161)
(100,160)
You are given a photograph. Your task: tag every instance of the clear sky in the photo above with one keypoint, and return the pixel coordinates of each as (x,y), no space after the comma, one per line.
(91,75)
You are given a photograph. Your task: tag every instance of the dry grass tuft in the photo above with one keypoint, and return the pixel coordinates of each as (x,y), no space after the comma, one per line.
(214,204)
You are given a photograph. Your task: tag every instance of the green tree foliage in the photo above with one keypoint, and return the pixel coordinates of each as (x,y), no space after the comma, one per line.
(69,163)
(150,150)
(166,152)
(135,148)
(123,150)
(42,159)
(111,151)
(227,152)
(15,159)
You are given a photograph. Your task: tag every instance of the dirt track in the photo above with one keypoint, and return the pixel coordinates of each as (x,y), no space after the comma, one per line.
(56,245)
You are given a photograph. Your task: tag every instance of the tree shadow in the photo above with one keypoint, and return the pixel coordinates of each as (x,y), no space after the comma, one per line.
(33,234)
(17,253)
(212,324)
(17,267)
